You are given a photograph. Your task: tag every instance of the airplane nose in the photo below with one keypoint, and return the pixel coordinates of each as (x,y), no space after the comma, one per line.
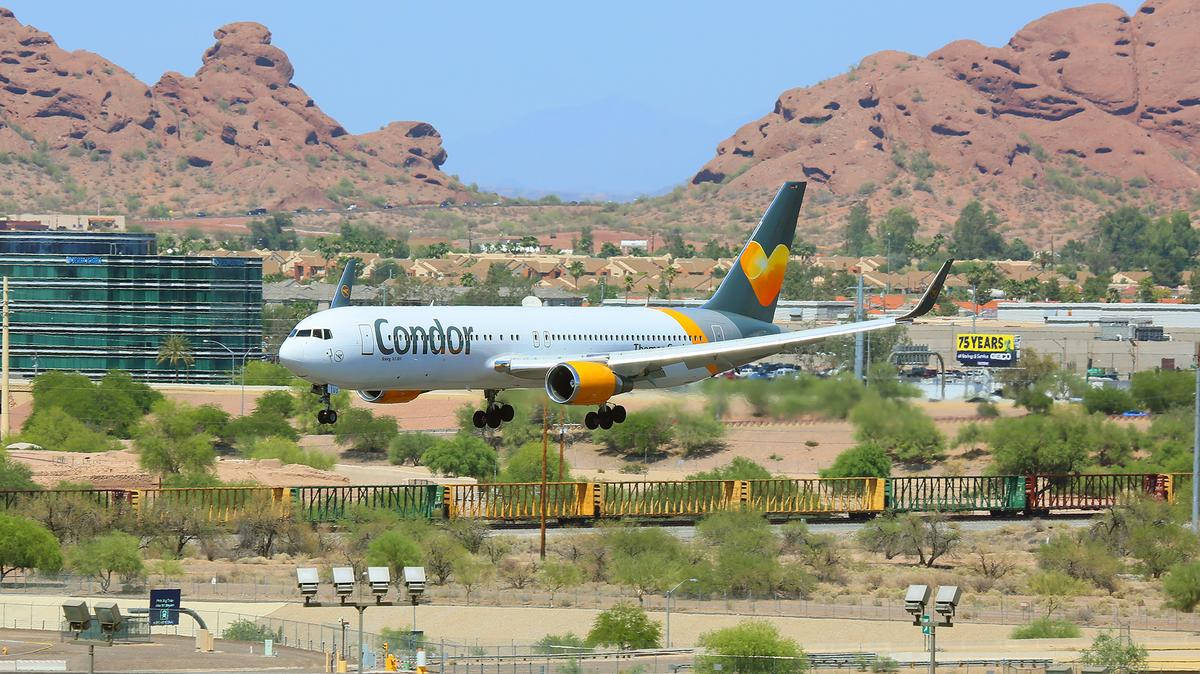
(291,356)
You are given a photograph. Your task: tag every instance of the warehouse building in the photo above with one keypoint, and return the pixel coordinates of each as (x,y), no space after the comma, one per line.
(91,302)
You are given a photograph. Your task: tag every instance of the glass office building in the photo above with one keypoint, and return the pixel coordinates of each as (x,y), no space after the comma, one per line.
(76,305)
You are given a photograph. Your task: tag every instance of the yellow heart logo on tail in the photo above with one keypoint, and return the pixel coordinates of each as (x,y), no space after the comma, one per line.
(764,273)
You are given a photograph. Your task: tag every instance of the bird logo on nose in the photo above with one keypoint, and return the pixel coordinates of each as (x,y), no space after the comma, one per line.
(764,273)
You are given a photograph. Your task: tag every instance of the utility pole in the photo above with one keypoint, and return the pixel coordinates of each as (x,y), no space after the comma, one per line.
(4,409)
(1195,446)
(562,441)
(858,336)
(542,494)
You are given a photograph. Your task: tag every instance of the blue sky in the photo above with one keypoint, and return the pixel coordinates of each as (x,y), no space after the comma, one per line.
(614,98)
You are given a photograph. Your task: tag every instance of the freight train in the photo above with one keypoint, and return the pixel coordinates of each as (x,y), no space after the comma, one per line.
(650,500)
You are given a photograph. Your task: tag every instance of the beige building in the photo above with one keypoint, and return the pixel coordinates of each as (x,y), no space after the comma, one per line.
(76,223)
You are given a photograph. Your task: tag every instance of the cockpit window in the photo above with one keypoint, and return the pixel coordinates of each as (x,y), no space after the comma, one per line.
(304,333)
(292,333)
(325,333)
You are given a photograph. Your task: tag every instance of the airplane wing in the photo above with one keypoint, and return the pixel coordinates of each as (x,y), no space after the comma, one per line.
(723,355)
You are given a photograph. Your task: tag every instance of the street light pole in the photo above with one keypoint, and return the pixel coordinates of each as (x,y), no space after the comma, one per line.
(232,360)
(669,593)
(1196,453)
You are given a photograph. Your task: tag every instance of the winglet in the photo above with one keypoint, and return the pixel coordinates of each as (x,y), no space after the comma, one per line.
(341,296)
(931,294)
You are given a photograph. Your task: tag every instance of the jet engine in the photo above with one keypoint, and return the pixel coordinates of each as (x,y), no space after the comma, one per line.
(388,397)
(583,383)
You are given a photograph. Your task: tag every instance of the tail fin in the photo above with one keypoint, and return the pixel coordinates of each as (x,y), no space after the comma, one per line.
(341,296)
(752,287)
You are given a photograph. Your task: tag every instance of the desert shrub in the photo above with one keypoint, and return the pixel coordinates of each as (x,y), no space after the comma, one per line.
(1046,628)
(408,446)
(906,433)
(1161,390)
(625,627)
(865,460)
(243,629)
(1082,557)
(740,468)
(751,646)
(287,451)
(1182,587)
(1107,400)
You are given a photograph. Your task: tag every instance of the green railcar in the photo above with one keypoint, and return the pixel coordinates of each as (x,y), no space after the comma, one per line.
(329,504)
(995,494)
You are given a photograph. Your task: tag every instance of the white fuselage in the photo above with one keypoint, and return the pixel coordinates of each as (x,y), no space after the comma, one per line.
(449,347)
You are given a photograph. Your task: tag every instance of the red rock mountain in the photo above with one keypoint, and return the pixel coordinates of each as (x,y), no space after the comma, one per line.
(238,134)
(1083,109)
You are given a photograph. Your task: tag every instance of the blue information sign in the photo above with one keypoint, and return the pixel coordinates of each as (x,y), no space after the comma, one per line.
(164,607)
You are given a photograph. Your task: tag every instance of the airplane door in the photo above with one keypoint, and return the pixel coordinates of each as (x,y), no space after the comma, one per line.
(718,333)
(368,340)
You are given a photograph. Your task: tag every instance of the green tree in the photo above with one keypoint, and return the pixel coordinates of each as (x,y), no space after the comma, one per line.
(555,576)
(1053,587)
(894,235)
(263,373)
(462,455)
(1182,587)
(643,433)
(1105,400)
(395,550)
(751,646)
(586,241)
(408,446)
(26,544)
(1095,288)
(1161,390)
(645,560)
(864,460)
(287,452)
(175,349)
(858,230)
(740,468)
(525,465)
(56,429)
(906,433)
(365,432)
(625,626)
(14,474)
(244,629)
(1056,444)
(975,235)
(106,555)
(273,233)
(1117,654)
(173,439)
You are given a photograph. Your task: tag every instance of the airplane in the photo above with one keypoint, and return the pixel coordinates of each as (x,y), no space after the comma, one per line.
(578,355)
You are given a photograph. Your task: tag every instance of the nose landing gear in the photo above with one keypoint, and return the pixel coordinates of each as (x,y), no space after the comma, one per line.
(604,417)
(327,415)
(494,413)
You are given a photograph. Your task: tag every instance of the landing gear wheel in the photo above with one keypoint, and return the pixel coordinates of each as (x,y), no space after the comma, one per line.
(479,419)
(327,415)
(331,416)
(321,414)
(606,420)
(493,418)
(507,413)
(618,414)
(591,420)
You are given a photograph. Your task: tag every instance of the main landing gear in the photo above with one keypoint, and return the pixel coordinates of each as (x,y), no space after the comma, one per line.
(494,413)
(604,417)
(327,415)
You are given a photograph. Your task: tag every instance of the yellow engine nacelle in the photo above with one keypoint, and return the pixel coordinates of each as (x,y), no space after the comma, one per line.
(583,383)
(388,397)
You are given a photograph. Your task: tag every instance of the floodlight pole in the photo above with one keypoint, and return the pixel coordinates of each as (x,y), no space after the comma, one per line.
(1196,453)
(91,658)
(932,645)
(232,360)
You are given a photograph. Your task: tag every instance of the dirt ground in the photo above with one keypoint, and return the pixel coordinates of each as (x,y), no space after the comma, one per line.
(797,448)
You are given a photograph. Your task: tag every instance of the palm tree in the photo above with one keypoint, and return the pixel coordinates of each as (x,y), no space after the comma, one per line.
(176,349)
(576,270)
(628,286)
(668,276)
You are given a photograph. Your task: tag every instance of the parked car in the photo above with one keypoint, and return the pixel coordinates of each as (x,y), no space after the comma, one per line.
(256,211)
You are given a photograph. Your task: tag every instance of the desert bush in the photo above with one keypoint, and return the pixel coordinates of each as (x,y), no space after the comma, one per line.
(1046,628)
(1182,586)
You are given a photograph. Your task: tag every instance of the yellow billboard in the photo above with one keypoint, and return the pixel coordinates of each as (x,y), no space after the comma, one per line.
(984,350)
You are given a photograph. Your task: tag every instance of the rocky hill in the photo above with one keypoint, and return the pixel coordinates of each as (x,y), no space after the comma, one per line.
(78,130)
(1083,109)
